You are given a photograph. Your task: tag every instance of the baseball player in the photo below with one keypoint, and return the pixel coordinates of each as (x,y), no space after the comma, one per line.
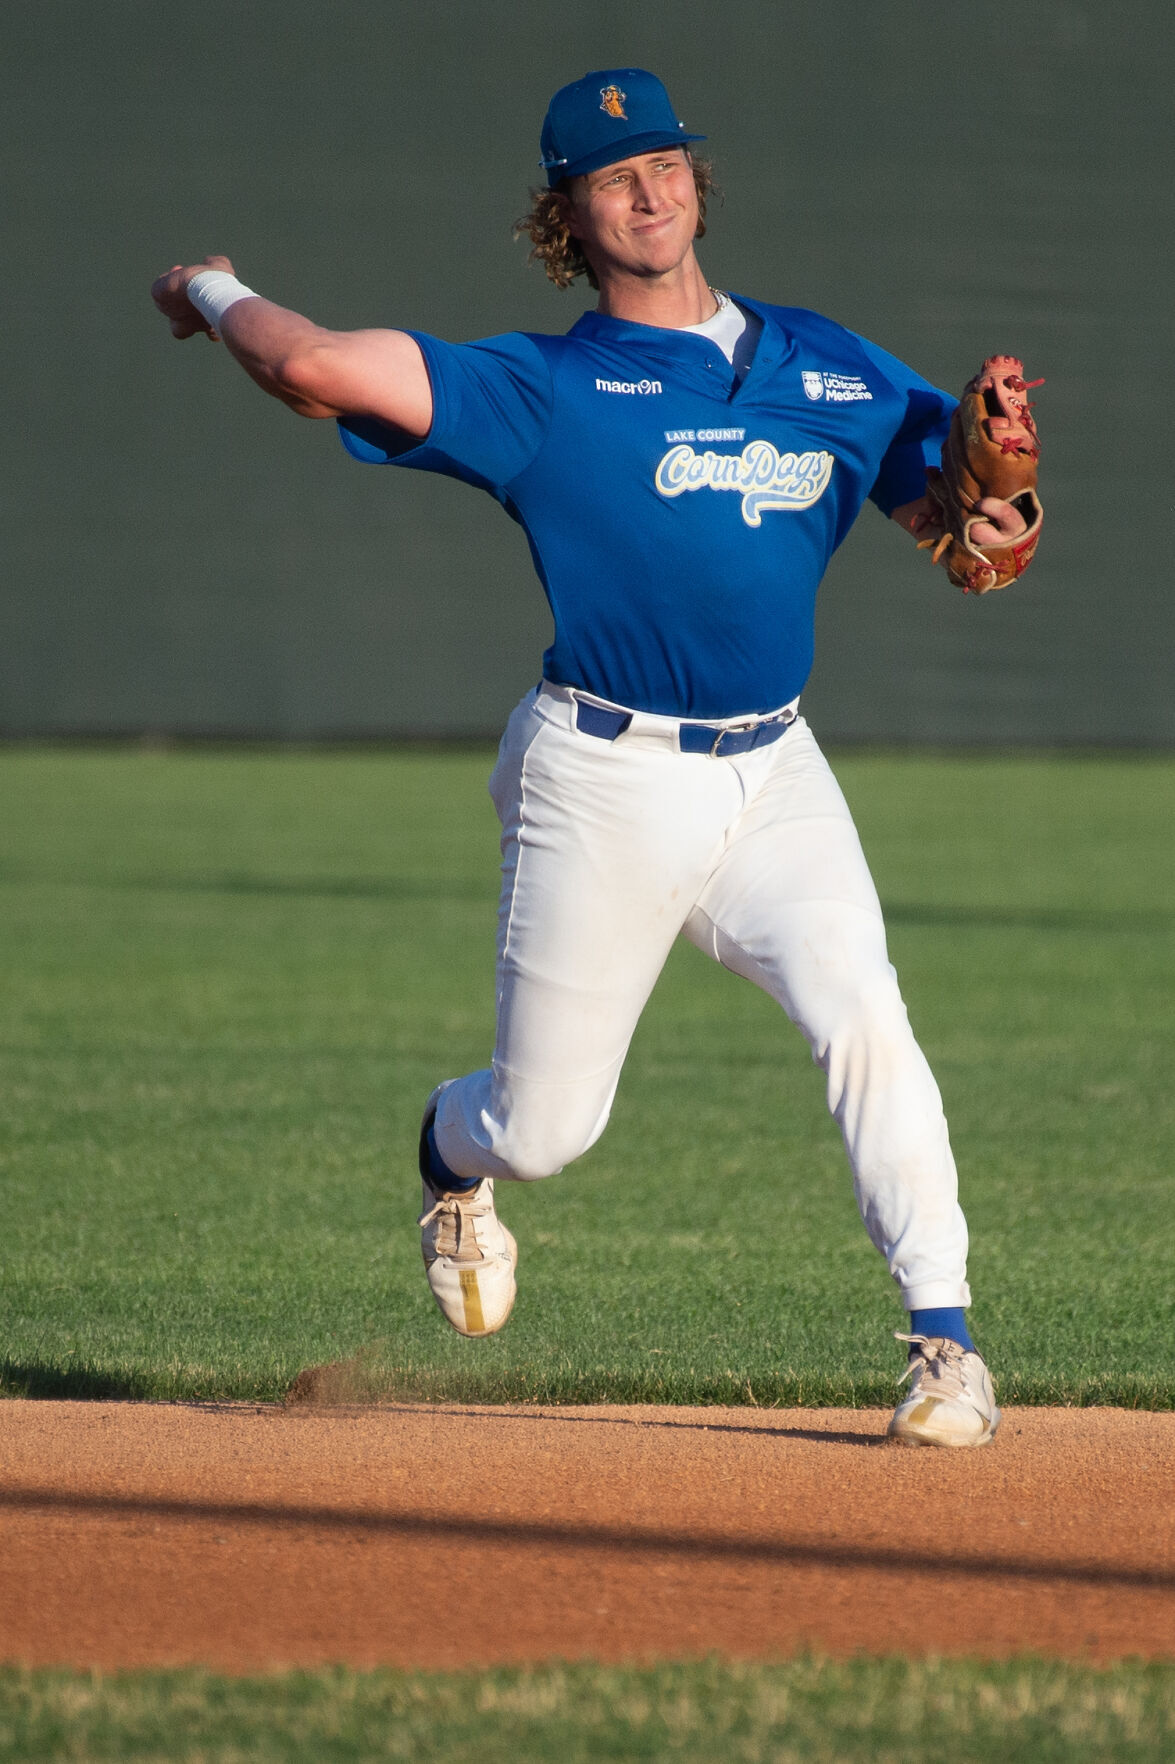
(684,463)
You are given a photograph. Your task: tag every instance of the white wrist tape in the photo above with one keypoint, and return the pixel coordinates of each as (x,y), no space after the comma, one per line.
(213,291)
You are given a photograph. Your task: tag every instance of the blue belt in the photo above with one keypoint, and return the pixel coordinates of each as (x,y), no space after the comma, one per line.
(594,719)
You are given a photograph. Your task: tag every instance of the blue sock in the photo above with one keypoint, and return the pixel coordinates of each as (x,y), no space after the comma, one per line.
(947,1320)
(439,1173)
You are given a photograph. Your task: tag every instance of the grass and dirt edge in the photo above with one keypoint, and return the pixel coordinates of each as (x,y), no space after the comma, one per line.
(370,1378)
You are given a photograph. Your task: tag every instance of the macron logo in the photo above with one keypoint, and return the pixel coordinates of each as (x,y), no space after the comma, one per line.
(643,387)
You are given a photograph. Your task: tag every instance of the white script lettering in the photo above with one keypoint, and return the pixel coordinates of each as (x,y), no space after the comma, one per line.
(763,477)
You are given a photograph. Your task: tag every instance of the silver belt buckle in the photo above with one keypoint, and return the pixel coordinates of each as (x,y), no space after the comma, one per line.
(787,718)
(732,729)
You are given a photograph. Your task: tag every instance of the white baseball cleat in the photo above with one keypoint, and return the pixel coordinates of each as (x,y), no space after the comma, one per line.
(950,1401)
(469,1256)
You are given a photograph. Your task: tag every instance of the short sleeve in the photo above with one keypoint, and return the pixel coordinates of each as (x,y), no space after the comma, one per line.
(492,404)
(918,442)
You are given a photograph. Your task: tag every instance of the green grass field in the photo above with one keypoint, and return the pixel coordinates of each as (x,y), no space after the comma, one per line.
(798,1712)
(231,978)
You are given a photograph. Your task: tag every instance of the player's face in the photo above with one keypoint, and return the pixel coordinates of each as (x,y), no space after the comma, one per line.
(638,216)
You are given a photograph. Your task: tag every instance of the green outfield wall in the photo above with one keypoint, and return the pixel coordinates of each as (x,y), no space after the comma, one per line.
(183,557)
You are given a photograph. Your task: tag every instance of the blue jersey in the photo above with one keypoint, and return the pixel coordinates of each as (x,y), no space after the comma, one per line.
(680,523)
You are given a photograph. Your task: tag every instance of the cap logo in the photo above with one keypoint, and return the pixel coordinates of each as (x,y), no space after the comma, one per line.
(612,102)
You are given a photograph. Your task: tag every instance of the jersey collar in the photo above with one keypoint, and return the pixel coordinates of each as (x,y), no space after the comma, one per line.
(774,345)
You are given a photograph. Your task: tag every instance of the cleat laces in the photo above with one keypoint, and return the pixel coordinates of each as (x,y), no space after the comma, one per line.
(456,1222)
(940,1360)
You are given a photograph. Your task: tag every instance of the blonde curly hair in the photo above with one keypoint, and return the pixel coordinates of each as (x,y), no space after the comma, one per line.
(560,254)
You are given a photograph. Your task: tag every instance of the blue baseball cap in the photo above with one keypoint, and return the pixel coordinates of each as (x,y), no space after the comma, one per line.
(606,116)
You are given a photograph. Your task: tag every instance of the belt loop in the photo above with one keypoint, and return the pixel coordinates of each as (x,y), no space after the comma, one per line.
(597,720)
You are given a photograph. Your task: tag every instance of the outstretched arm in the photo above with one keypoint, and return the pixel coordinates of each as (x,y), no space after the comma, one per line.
(318,373)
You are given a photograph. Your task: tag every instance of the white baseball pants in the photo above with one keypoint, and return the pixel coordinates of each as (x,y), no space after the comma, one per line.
(610,850)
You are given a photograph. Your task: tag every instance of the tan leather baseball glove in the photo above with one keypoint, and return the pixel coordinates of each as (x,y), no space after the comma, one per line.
(992,451)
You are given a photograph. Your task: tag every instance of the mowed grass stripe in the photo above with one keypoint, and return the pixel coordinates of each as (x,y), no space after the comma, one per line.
(233,977)
(805,1711)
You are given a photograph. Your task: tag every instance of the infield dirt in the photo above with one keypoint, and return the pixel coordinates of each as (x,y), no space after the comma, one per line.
(243,1538)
